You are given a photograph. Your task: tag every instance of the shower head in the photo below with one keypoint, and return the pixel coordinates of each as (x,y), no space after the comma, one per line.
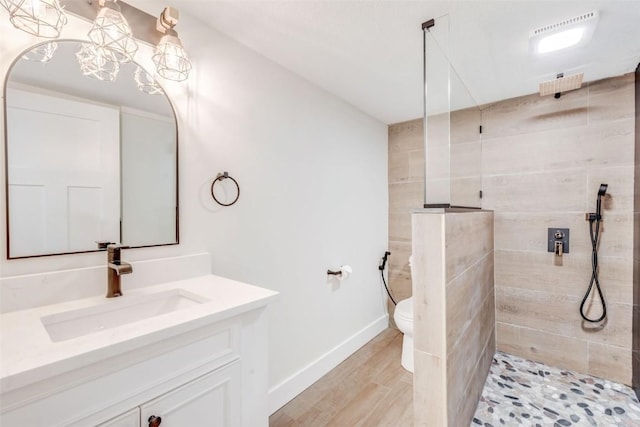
(561,84)
(602,190)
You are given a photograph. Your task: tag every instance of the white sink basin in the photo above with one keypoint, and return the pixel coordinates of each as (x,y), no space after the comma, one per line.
(117,312)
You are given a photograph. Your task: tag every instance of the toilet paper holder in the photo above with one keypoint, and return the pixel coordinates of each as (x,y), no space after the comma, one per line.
(343,273)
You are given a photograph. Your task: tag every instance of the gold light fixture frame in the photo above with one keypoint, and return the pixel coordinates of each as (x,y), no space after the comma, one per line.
(170,58)
(112,31)
(42,18)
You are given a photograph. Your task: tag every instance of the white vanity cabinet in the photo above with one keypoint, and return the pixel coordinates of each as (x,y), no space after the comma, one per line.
(203,367)
(211,400)
(128,419)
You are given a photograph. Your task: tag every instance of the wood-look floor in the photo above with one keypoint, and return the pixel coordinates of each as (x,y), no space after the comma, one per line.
(369,389)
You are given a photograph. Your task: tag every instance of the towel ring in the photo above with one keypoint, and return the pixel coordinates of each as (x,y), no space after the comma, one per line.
(222,177)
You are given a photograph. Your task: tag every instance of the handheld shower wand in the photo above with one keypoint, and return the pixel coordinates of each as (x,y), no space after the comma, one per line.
(383,262)
(594,232)
(601,192)
(381,267)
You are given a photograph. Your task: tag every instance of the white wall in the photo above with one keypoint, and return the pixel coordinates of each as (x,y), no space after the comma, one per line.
(312,170)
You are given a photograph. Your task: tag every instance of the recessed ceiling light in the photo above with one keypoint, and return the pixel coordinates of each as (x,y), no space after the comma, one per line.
(560,40)
(570,32)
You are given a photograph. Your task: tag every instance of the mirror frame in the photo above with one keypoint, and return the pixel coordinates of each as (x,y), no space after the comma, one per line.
(6,165)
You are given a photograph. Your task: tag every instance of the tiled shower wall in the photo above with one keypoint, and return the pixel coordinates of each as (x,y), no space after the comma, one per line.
(406,192)
(543,160)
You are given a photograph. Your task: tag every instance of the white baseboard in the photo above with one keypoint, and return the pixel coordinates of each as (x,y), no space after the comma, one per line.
(286,390)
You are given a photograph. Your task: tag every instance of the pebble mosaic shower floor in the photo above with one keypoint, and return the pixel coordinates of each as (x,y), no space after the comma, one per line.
(520,392)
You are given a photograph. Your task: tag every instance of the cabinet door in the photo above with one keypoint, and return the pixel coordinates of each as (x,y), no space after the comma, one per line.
(212,400)
(128,419)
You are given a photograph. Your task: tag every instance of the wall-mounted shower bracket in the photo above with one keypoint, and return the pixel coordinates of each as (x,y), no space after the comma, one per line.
(558,241)
(428,24)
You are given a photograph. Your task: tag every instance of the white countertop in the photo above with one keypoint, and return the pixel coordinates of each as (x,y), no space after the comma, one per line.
(28,355)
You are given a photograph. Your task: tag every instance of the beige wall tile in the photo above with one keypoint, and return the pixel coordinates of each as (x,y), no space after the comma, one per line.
(438,191)
(536,192)
(462,414)
(399,258)
(438,161)
(613,363)
(612,99)
(405,196)
(469,237)
(398,171)
(465,125)
(406,136)
(400,227)
(505,154)
(619,198)
(559,314)
(543,347)
(466,296)
(463,357)
(599,144)
(613,86)
(466,159)
(466,192)
(438,130)
(463,360)
(533,113)
(527,231)
(416,166)
(429,397)
(538,271)
(429,283)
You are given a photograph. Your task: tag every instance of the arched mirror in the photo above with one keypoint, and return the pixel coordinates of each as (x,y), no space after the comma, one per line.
(90,157)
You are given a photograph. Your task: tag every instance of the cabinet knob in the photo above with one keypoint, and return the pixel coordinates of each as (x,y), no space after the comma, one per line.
(154,421)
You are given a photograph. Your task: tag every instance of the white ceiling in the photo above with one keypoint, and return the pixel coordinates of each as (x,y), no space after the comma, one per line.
(369,52)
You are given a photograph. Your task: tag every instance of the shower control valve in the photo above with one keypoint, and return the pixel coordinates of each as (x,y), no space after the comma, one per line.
(558,241)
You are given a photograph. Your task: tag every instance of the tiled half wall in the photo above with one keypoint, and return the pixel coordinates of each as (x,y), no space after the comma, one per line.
(454,312)
(543,160)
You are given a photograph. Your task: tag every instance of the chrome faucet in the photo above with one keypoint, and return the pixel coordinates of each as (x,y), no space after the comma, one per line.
(115,268)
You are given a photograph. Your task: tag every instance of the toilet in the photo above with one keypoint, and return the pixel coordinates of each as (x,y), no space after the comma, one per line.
(403,317)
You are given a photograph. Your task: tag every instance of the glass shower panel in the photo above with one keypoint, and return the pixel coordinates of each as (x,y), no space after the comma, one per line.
(453,148)
(466,146)
(437,120)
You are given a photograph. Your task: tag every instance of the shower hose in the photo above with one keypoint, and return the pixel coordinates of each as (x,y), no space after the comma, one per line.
(594,233)
(387,288)
(381,267)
